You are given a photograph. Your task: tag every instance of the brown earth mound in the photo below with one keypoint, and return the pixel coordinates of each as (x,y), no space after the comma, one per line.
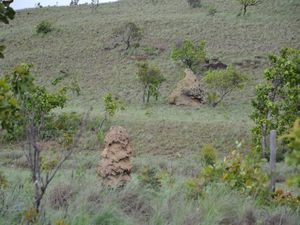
(187,91)
(115,167)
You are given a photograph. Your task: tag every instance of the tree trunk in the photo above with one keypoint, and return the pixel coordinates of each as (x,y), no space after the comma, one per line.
(245,9)
(273,159)
(148,96)
(264,141)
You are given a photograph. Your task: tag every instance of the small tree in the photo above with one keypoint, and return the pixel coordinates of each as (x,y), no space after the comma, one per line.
(25,108)
(223,82)
(246,3)
(276,103)
(151,78)
(111,105)
(6,13)
(189,53)
(194,3)
(129,33)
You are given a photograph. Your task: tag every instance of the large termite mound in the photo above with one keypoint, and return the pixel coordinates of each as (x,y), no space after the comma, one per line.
(115,167)
(188,91)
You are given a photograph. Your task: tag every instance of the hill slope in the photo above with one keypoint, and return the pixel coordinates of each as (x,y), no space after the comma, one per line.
(82,36)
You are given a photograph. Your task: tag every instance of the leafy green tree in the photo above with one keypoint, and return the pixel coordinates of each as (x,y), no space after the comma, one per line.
(222,82)
(111,105)
(190,54)
(151,78)
(277,101)
(246,3)
(25,106)
(129,33)
(6,13)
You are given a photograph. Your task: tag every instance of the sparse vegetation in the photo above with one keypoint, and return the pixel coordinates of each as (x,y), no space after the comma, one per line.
(175,179)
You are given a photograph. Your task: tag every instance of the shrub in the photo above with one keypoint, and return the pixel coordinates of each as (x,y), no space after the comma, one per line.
(241,173)
(212,11)
(44,27)
(208,155)
(194,3)
(148,176)
(190,54)
(151,78)
(223,82)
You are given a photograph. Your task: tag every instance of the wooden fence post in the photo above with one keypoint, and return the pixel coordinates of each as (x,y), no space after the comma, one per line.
(273,159)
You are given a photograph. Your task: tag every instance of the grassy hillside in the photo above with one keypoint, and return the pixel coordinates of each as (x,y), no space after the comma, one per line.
(82,35)
(164,137)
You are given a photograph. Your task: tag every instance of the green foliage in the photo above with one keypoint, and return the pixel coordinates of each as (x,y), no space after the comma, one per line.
(212,10)
(280,197)
(208,155)
(6,13)
(241,173)
(129,32)
(194,3)
(293,158)
(22,101)
(155,179)
(276,103)
(3,181)
(190,54)
(151,78)
(223,82)
(111,104)
(44,27)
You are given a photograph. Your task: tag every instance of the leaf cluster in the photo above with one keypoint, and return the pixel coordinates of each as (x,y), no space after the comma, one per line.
(21,100)
(6,13)
(111,104)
